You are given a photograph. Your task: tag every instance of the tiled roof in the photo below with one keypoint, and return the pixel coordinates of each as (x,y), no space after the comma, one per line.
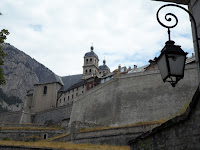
(66,82)
(52,78)
(190,59)
(139,69)
(70,80)
(80,83)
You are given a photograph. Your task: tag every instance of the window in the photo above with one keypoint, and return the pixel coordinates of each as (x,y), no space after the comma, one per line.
(45,90)
(90,59)
(82,91)
(45,136)
(90,70)
(86,71)
(100,72)
(64,99)
(86,61)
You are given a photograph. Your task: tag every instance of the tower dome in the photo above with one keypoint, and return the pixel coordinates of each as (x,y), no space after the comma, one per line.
(104,69)
(91,53)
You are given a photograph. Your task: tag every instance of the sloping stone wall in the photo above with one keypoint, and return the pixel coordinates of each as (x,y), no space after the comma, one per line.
(132,98)
(53,116)
(180,133)
(109,136)
(11,117)
(23,135)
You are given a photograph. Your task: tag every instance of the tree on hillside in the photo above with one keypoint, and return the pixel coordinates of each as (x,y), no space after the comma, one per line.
(3,34)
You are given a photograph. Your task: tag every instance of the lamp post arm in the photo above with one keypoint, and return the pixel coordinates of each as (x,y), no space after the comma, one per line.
(172,26)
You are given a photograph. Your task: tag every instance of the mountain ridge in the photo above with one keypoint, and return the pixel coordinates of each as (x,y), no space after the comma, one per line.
(21,73)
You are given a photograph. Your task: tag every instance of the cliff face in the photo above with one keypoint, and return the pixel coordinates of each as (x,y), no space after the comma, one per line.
(21,73)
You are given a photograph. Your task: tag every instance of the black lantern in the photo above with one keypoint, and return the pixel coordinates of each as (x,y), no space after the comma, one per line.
(171,63)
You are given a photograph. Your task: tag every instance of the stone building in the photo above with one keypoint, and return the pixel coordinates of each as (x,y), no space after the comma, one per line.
(56,91)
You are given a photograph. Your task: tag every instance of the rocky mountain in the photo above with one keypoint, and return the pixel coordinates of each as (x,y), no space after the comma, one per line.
(21,73)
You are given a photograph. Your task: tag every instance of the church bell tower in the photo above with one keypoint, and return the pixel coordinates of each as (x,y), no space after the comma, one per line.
(91,63)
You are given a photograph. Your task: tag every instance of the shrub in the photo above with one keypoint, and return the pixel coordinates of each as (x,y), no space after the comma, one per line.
(6,139)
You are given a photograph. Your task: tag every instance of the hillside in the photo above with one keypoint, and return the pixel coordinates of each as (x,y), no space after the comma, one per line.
(21,73)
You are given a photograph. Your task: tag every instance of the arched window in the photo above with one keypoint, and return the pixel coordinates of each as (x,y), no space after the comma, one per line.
(45,90)
(90,70)
(90,59)
(45,136)
(86,61)
(86,71)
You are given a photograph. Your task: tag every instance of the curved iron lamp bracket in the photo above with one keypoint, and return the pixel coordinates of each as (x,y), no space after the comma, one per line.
(168,18)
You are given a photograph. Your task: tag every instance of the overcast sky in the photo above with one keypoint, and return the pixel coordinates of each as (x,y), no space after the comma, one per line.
(57,33)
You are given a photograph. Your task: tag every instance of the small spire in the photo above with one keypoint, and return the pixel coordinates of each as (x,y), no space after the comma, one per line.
(91,48)
(104,62)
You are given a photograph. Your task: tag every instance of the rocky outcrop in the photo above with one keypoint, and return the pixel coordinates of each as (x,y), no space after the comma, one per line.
(21,73)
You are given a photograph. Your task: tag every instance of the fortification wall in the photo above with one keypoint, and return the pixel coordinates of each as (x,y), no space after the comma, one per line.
(54,115)
(23,135)
(179,133)
(132,98)
(109,136)
(11,117)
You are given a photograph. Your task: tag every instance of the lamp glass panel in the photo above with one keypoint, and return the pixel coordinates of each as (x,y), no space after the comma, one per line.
(176,64)
(162,65)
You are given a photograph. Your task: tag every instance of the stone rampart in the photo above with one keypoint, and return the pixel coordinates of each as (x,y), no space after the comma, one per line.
(26,135)
(11,117)
(53,115)
(179,133)
(132,98)
(108,136)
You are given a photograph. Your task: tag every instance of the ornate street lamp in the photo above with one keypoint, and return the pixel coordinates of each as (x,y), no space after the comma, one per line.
(171,61)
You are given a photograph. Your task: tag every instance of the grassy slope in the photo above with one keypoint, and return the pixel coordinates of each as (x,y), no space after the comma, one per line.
(64,145)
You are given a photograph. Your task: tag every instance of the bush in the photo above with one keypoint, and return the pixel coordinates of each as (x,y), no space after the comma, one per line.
(6,139)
